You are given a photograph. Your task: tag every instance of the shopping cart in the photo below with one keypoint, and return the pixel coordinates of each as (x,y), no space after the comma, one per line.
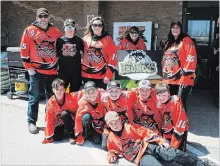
(18,75)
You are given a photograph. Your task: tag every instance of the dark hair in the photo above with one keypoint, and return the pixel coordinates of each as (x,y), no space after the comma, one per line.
(89,27)
(161,88)
(171,40)
(57,82)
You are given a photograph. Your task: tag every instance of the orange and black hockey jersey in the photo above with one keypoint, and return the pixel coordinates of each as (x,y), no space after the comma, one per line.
(120,106)
(132,143)
(179,63)
(38,48)
(54,110)
(146,113)
(175,121)
(100,61)
(125,44)
(97,111)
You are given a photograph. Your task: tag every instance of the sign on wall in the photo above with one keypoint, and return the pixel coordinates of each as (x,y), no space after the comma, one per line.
(144,27)
(139,65)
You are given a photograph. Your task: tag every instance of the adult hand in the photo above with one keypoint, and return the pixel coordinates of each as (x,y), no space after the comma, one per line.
(183,85)
(31,71)
(112,159)
(46,141)
(106,80)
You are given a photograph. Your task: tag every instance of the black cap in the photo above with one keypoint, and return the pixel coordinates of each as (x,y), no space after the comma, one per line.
(113,84)
(175,23)
(89,85)
(42,11)
(69,22)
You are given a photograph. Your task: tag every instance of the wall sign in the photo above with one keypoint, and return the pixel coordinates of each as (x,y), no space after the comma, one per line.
(139,65)
(144,27)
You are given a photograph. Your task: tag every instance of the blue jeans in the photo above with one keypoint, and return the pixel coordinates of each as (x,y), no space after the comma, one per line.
(38,81)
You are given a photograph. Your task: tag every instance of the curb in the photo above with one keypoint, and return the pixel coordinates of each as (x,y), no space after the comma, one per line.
(200,154)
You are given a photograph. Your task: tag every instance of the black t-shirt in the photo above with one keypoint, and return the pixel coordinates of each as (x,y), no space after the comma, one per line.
(68,52)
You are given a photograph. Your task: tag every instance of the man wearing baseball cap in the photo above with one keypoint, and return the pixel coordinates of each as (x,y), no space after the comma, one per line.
(69,50)
(140,145)
(39,58)
(144,110)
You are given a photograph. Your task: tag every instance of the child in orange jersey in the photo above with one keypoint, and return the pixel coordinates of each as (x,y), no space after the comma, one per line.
(144,110)
(116,99)
(140,145)
(175,122)
(60,114)
(90,115)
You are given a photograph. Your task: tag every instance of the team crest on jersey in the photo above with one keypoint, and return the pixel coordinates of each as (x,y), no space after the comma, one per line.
(167,122)
(45,46)
(171,67)
(131,148)
(94,56)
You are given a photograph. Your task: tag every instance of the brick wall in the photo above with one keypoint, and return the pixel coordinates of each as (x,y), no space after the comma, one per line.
(18,15)
(161,12)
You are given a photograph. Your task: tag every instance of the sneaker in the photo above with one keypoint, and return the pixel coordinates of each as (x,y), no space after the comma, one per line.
(80,140)
(32,128)
(72,141)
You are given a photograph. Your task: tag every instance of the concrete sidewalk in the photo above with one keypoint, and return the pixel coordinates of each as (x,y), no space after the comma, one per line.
(203,138)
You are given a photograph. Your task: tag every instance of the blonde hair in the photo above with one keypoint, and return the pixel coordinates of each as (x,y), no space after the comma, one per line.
(161,88)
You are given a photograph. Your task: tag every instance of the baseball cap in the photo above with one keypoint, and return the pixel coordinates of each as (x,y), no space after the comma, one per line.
(42,11)
(89,85)
(110,116)
(144,84)
(176,23)
(69,22)
(113,84)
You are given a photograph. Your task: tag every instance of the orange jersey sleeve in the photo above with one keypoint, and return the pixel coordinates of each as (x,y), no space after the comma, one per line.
(180,122)
(25,48)
(50,119)
(188,58)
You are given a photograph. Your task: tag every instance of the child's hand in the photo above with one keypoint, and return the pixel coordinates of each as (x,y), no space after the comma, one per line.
(46,141)
(113,159)
(165,145)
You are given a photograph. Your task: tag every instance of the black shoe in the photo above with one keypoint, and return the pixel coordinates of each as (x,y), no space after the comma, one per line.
(32,128)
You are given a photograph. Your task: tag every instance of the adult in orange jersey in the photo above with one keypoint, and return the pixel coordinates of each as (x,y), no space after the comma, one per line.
(60,114)
(100,59)
(175,122)
(179,62)
(140,145)
(131,41)
(144,110)
(38,54)
(90,121)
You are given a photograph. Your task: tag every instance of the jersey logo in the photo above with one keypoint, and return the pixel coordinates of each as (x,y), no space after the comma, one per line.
(69,50)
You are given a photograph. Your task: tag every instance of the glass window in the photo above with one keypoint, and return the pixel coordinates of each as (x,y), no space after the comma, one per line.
(199,30)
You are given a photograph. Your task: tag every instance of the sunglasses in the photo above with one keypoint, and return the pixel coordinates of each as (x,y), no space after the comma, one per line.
(133,32)
(97,25)
(43,16)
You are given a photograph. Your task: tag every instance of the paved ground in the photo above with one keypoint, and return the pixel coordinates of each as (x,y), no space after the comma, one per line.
(21,148)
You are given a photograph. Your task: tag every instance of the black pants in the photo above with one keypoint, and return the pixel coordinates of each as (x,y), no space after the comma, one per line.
(90,133)
(74,79)
(169,156)
(68,126)
(98,82)
(174,91)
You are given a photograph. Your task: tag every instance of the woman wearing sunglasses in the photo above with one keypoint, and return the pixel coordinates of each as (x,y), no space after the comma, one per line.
(131,40)
(100,59)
